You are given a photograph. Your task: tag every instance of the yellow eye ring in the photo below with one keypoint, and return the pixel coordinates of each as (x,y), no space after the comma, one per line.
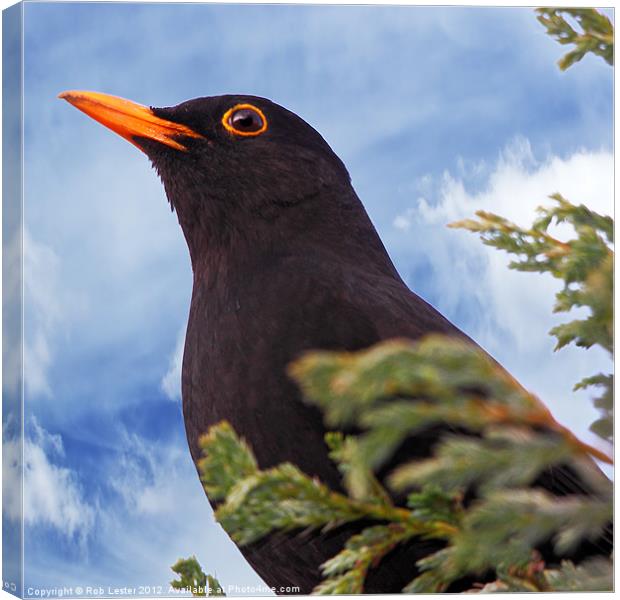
(247,112)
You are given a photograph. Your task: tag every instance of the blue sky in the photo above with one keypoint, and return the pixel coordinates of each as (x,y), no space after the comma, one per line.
(436,112)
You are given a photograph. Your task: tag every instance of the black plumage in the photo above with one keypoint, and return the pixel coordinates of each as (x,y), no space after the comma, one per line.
(285,259)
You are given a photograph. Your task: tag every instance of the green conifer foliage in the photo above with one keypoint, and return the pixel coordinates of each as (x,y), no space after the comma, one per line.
(596,36)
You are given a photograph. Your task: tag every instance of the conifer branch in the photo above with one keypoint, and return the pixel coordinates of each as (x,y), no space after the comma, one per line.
(596,36)
(585,266)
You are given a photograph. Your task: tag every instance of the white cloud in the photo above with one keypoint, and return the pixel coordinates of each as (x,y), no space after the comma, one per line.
(52,494)
(171,381)
(160,515)
(122,284)
(404,221)
(46,302)
(11,349)
(145,475)
(51,443)
(514,311)
(516,186)
(519,183)
(11,472)
(42,312)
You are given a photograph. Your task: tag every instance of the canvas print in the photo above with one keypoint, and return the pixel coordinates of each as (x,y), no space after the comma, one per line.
(338,318)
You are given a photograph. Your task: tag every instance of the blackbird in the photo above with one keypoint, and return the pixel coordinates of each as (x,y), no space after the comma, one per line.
(285,259)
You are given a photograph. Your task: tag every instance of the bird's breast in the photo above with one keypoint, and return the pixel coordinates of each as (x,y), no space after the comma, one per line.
(234,369)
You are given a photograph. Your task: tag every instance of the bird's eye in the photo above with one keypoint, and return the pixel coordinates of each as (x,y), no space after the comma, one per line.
(244,119)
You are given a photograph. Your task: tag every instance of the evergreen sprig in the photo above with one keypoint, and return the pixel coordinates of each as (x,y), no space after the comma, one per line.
(500,534)
(284,499)
(596,36)
(454,382)
(443,380)
(585,266)
(346,572)
(592,575)
(194,580)
(226,460)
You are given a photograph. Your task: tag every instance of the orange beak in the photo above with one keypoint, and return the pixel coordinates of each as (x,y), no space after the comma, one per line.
(129,120)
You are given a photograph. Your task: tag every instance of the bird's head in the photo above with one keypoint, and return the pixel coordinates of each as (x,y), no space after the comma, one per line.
(231,165)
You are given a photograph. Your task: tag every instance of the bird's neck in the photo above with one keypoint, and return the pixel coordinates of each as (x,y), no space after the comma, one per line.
(337,230)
